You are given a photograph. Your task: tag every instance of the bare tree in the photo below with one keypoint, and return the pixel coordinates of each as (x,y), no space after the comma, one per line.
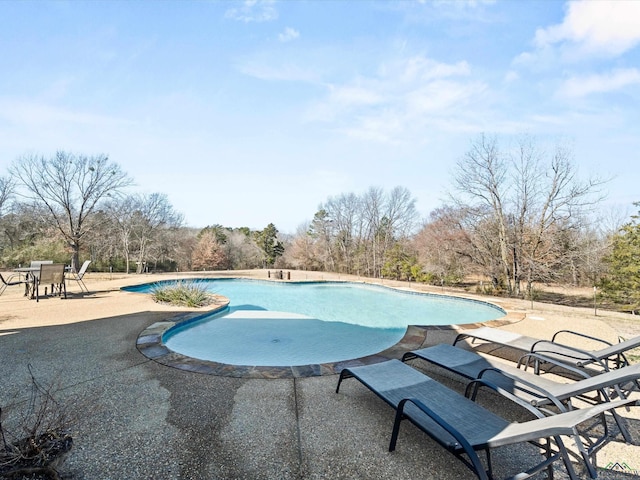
(242,251)
(481,177)
(182,242)
(7,189)
(321,231)
(526,203)
(399,218)
(122,212)
(301,252)
(139,218)
(353,234)
(443,246)
(372,207)
(345,213)
(71,188)
(153,212)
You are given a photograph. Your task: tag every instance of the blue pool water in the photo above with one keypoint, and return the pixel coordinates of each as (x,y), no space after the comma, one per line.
(278,324)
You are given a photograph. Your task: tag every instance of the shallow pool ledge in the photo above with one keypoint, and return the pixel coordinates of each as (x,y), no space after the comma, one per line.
(150,344)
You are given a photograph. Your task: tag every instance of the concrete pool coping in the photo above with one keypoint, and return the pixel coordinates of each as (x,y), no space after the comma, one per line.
(150,344)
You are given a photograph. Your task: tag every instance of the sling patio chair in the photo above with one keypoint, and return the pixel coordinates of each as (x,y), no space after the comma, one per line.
(51,274)
(10,280)
(464,427)
(536,351)
(78,276)
(37,263)
(539,391)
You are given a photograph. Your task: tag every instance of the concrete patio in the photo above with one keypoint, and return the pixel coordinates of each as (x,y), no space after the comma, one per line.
(138,419)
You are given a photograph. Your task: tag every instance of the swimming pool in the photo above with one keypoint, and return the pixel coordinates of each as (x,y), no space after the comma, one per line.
(302,323)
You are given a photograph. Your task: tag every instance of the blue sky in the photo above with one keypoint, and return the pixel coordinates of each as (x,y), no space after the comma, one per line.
(247,113)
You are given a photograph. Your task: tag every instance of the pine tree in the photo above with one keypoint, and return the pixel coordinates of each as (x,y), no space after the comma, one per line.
(623,282)
(267,241)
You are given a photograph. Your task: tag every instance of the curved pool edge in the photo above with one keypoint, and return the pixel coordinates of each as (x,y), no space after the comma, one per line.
(149,343)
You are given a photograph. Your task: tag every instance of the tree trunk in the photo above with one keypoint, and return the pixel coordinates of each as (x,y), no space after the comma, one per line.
(75,256)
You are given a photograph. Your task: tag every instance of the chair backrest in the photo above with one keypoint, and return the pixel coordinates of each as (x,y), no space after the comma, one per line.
(617,348)
(37,263)
(83,269)
(51,273)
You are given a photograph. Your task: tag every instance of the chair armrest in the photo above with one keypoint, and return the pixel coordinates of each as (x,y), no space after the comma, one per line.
(578,334)
(474,386)
(11,280)
(531,388)
(581,356)
(536,358)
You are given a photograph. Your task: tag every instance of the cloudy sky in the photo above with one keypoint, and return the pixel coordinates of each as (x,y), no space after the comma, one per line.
(247,113)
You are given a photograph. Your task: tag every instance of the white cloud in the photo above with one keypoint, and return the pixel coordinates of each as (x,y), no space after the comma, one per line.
(35,115)
(420,68)
(265,70)
(354,95)
(288,35)
(511,76)
(615,80)
(440,96)
(400,99)
(475,10)
(253,11)
(460,5)
(601,27)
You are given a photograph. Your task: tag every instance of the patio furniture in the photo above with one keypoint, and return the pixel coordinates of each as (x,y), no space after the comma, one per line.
(9,281)
(51,274)
(538,391)
(78,276)
(537,351)
(464,427)
(37,263)
(30,275)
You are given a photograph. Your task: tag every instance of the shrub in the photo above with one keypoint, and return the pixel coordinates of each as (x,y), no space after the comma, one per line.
(184,293)
(40,439)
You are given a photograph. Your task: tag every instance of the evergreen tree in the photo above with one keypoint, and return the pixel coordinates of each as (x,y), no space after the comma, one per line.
(623,282)
(267,241)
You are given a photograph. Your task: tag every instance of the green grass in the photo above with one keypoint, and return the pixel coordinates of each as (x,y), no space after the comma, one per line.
(184,293)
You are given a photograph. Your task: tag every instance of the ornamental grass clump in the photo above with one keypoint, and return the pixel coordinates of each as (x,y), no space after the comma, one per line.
(184,293)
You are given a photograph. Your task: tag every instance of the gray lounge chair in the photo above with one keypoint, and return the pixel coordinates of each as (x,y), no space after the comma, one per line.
(537,350)
(538,391)
(464,427)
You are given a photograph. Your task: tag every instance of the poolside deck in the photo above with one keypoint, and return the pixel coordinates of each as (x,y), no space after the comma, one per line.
(141,419)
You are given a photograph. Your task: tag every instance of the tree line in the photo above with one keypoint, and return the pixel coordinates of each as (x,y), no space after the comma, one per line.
(516,215)
(67,206)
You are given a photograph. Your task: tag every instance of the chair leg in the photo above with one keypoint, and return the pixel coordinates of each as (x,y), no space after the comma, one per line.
(83,287)
(489,464)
